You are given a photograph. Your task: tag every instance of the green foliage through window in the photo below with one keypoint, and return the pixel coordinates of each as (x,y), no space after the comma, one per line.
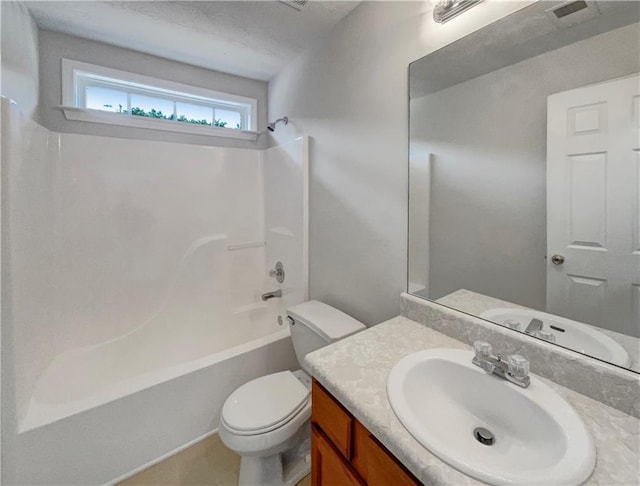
(90,87)
(153,113)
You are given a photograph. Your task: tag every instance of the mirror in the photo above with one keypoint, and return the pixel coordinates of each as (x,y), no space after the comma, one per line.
(524,176)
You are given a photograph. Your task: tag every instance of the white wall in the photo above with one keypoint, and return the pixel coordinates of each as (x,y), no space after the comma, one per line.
(488,138)
(286,170)
(28,228)
(19,78)
(350,94)
(54,46)
(19,83)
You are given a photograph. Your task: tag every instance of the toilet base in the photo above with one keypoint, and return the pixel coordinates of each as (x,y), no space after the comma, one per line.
(285,469)
(261,470)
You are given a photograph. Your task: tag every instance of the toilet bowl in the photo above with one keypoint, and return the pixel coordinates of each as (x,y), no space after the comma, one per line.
(267,420)
(264,418)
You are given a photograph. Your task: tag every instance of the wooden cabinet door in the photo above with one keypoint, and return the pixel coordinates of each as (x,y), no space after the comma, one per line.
(384,470)
(332,418)
(328,468)
(360,448)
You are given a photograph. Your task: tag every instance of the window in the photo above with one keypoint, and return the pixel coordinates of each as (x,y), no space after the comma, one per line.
(103,95)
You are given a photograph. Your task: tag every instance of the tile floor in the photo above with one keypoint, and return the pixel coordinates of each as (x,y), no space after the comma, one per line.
(207,463)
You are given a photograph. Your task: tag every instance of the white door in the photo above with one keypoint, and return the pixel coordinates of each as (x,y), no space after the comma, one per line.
(593,202)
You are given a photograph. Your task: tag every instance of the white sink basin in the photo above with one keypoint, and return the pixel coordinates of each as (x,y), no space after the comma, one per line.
(577,335)
(442,398)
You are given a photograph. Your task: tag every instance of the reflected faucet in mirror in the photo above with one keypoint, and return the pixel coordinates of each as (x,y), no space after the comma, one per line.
(534,326)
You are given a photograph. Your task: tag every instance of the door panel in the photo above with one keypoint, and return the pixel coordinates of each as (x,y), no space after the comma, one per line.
(588,201)
(328,466)
(593,204)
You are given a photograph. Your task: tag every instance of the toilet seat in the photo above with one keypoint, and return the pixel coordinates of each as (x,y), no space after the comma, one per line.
(265,404)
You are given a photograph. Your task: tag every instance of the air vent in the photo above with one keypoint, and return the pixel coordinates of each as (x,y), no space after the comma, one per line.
(569,8)
(297,4)
(571,13)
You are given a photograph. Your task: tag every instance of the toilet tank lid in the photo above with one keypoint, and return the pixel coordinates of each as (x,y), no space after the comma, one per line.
(330,323)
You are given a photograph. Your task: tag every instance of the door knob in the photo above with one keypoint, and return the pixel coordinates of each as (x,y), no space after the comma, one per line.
(557,259)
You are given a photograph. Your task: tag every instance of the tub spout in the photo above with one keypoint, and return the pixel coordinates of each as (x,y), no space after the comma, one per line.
(271,295)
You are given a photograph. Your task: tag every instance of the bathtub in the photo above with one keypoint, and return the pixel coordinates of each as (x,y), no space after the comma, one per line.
(125,332)
(81,379)
(100,414)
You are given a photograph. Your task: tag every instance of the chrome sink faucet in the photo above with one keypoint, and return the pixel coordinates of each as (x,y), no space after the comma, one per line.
(515,369)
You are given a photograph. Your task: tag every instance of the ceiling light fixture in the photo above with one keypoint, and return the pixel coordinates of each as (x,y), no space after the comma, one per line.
(445,10)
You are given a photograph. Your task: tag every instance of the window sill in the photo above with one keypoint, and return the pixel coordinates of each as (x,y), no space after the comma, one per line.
(97,116)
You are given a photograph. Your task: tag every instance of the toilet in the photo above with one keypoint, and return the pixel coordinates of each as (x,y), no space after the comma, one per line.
(267,420)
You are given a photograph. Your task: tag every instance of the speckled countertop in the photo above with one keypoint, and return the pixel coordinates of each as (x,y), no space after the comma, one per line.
(355,371)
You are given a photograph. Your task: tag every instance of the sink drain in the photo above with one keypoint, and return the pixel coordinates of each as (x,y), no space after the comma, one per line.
(484,436)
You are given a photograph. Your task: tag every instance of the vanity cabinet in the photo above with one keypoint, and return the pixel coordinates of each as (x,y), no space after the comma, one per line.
(344,452)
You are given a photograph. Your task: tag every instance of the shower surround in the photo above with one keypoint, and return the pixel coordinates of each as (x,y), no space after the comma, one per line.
(135,271)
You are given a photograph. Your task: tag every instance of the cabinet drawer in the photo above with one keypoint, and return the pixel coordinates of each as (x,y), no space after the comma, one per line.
(328,467)
(384,469)
(332,419)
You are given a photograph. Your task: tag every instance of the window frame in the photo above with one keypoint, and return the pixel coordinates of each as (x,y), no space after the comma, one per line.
(75,74)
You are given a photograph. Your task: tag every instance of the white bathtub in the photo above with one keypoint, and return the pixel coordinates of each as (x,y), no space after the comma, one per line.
(98,414)
(82,379)
(135,270)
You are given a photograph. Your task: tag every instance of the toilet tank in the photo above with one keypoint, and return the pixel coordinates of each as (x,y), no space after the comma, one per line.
(314,324)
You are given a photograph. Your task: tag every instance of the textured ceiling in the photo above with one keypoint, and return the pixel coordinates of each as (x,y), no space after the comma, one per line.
(524,34)
(255,39)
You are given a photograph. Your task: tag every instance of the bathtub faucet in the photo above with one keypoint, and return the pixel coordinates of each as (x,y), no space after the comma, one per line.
(271,295)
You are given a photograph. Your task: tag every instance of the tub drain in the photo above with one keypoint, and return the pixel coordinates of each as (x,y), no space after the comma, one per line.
(484,436)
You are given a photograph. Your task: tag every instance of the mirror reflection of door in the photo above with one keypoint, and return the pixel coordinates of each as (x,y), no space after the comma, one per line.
(524,143)
(593,225)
